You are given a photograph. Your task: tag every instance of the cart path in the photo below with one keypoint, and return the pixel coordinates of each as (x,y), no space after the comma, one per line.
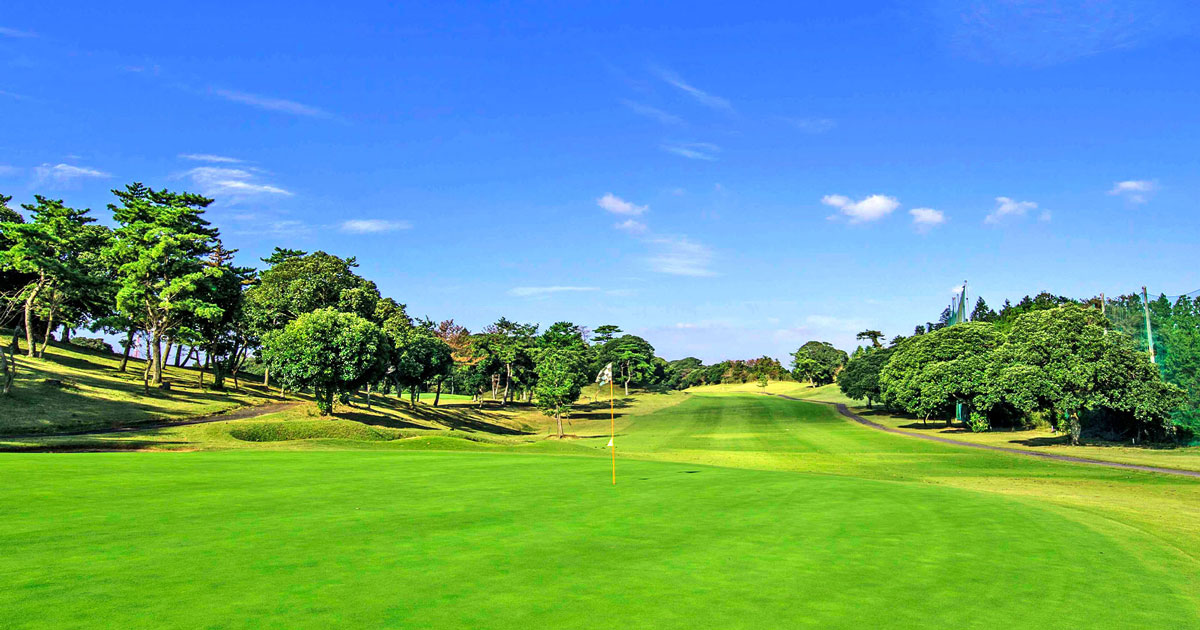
(845,411)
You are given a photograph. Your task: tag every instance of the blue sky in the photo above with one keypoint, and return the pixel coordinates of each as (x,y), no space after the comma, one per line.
(728,181)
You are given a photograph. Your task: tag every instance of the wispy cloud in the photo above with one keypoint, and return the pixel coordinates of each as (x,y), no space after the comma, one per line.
(617,205)
(679,256)
(653,113)
(6,170)
(631,226)
(1134,190)
(704,98)
(1046,32)
(373,226)
(1007,207)
(232,183)
(67,173)
(16,33)
(544,291)
(927,218)
(694,150)
(272,104)
(864,210)
(208,157)
(812,125)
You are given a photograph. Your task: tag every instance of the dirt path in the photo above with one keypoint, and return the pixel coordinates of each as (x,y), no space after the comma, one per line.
(845,411)
(239,413)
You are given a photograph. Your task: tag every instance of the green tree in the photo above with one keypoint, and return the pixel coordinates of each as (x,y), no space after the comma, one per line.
(981,312)
(327,352)
(929,374)
(632,357)
(1063,362)
(873,335)
(158,250)
(296,282)
(817,361)
(511,346)
(604,334)
(561,363)
(418,355)
(56,250)
(228,338)
(860,379)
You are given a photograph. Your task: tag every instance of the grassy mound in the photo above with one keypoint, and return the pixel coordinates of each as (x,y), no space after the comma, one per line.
(312,430)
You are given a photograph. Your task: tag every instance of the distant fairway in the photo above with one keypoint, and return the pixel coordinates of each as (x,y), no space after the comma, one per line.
(738,511)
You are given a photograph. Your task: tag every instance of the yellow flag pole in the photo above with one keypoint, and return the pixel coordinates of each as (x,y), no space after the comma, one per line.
(612,432)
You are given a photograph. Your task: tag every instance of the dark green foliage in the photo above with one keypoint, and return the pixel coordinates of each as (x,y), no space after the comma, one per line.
(93,344)
(817,361)
(632,358)
(561,363)
(982,313)
(329,353)
(928,374)
(860,378)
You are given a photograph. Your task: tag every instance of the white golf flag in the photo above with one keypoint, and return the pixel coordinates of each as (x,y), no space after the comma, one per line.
(610,443)
(605,376)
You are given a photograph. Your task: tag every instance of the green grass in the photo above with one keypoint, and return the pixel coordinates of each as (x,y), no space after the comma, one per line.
(731,511)
(94,395)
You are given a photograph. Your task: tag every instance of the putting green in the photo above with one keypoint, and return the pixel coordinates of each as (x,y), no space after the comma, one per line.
(499,540)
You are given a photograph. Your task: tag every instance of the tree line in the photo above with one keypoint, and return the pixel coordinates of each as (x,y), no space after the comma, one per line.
(1048,359)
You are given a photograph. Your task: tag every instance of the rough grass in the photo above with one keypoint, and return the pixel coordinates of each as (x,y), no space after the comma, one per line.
(94,395)
(730,511)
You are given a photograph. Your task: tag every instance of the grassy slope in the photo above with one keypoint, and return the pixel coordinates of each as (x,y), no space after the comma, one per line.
(97,396)
(810,521)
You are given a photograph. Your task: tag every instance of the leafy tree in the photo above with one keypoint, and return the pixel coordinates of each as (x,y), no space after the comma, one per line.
(561,363)
(297,282)
(327,352)
(1062,361)
(817,361)
(873,335)
(57,250)
(981,312)
(632,357)
(509,345)
(418,355)
(860,379)
(684,373)
(928,374)
(227,338)
(604,334)
(158,249)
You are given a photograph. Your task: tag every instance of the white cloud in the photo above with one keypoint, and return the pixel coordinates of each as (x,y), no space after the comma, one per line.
(616,205)
(543,291)
(652,113)
(812,125)
(629,225)
(273,104)
(867,209)
(232,183)
(208,157)
(693,150)
(1134,190)
(681,257)
(373,226)
(12,32)
(927,218)
(66,173)
(1009,207)
(704,98)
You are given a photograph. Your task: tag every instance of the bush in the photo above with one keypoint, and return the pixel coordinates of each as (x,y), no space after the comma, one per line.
(92,343)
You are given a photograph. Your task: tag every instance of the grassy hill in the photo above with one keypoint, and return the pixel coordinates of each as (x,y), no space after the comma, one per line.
(740,511)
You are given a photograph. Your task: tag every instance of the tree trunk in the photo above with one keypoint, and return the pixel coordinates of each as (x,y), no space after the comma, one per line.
(178,354)
(16,340)
(29,314)
(8,369)
(156,359)
(507,383)
(149,368)
(166,355)
(438,395)
(128,347)
(368,396)
(49,329)
(412,397)
(558,418)
(66,334)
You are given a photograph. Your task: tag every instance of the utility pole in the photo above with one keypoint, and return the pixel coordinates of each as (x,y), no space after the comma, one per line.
(1146,312)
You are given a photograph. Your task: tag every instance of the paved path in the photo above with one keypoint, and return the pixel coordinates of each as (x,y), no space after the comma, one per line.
(845,411)
(239,413)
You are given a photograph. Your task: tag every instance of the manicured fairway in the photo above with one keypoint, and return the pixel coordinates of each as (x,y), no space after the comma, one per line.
(809,521)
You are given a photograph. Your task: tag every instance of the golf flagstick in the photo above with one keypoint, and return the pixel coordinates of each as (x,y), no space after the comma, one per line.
(612,430)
